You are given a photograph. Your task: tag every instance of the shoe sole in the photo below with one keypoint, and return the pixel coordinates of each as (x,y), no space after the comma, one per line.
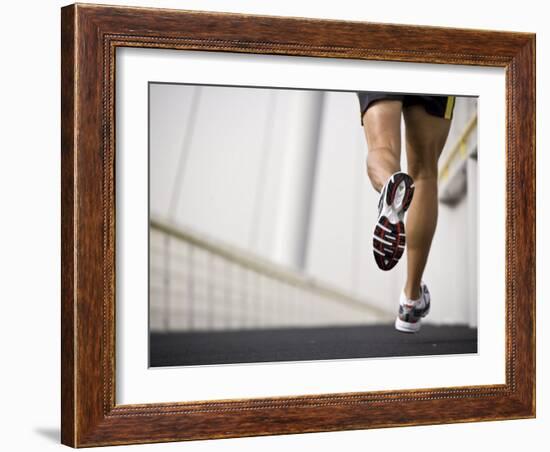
(389,239)
(414,327)
(407,327)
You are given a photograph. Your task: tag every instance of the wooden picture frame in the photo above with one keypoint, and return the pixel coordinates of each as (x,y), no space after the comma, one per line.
(90,35)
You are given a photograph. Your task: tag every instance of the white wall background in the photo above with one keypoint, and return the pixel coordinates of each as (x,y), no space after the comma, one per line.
(29,247)
(232,153)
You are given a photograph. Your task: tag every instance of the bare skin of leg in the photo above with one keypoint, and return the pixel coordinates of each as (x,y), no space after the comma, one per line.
(425,137)
(382,126)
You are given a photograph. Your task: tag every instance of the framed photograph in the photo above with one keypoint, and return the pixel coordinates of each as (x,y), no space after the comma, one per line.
(283,225)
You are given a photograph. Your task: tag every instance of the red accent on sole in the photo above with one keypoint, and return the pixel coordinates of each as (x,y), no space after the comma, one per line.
(386,255)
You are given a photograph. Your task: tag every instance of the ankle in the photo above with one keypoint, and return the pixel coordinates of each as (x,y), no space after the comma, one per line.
(379,173)
(378,180)
(412,292)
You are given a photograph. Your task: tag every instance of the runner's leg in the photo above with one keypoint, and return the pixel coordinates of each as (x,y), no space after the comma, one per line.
(382,126)
(425,137)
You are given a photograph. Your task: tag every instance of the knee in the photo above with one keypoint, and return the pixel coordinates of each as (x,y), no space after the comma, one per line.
(423,166)
(423,172)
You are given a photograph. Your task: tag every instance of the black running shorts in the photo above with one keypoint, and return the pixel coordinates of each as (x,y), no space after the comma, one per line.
(440,106)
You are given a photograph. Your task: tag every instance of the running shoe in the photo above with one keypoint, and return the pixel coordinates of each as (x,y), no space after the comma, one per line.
(388,241)
(411,312)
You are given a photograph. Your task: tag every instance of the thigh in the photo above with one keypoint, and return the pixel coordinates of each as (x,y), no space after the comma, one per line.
(382,125)
(425,135)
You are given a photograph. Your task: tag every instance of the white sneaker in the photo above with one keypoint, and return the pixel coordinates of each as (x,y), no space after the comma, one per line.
(412,311)
(388,240)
